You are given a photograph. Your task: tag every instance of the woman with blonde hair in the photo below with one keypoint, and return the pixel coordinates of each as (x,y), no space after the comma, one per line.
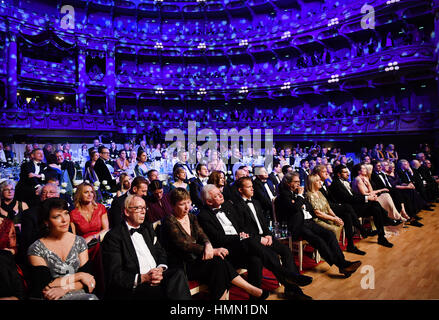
(179,178)
(361,184)
(325,216)
(89,220)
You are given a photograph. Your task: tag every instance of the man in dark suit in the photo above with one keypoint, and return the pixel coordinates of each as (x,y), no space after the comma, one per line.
(139,187)
(409,176)
(198,183)
(264,191)
(294,209)
(221,223)
(379,180)
(253,222)
(102,171)
(135,262)
(31,177)
(364,206)
(342,210)
(303,171)
(276,175)
(430,185)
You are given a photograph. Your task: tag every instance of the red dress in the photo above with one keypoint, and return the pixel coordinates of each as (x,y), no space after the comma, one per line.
(86,228)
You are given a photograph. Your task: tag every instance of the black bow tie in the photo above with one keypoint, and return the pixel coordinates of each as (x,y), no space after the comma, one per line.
(216,210)
(248,201)
(38,164)
(133,230)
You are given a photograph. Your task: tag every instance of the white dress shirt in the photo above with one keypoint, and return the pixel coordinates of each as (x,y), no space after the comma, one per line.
(268,191)
(227,225)
(2,156)
(306,214)
(144,256)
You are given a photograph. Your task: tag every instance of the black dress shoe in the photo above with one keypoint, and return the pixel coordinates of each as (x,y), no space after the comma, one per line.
(373,233)
(428,209)
(291,295)
(415,223)
(265,294)
(299,280)
(417,218)
(355,250)
(384,242)
(349,267)
(363,233)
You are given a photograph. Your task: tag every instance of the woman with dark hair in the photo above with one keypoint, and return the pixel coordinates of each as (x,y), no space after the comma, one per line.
(217,178)
(189,247)
(59,259)
(141,169)
(158,205)
(53,169)
(122,162)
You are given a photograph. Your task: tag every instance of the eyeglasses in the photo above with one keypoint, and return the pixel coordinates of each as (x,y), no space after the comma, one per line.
(138,209)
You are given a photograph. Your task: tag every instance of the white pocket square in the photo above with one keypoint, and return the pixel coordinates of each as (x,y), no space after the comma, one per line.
(155,240)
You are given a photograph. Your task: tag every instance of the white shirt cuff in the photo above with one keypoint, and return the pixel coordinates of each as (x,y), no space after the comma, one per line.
(365,198)
(300,195)
(164,266)
(135,281)
(42,176)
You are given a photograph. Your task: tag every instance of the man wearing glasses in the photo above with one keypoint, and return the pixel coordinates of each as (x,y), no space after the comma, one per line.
(102,171)
(292,207)
(135,262)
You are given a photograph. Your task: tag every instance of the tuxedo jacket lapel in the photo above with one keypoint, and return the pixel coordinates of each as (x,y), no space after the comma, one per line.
(129,244)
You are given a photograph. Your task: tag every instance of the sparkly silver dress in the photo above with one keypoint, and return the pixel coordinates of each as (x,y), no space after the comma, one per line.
(59,268)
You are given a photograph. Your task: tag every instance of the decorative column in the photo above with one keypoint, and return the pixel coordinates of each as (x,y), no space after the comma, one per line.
(12,82)
(110,80)
(81,80)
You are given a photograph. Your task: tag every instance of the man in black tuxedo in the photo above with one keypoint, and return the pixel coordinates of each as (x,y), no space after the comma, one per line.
(222,225)
(276,175)
(294,209)
(253,222)
(135,262)
(31,177)
(379,180)
(342,210)
(364,206)
(197,184)
(264,191)
(407,175)
(139,187)
(102,171)
(303,171)
(430,185)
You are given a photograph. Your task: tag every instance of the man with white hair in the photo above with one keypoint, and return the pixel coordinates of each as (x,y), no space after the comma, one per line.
(135,263)
(223,226)
(264,191)
(230,191)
